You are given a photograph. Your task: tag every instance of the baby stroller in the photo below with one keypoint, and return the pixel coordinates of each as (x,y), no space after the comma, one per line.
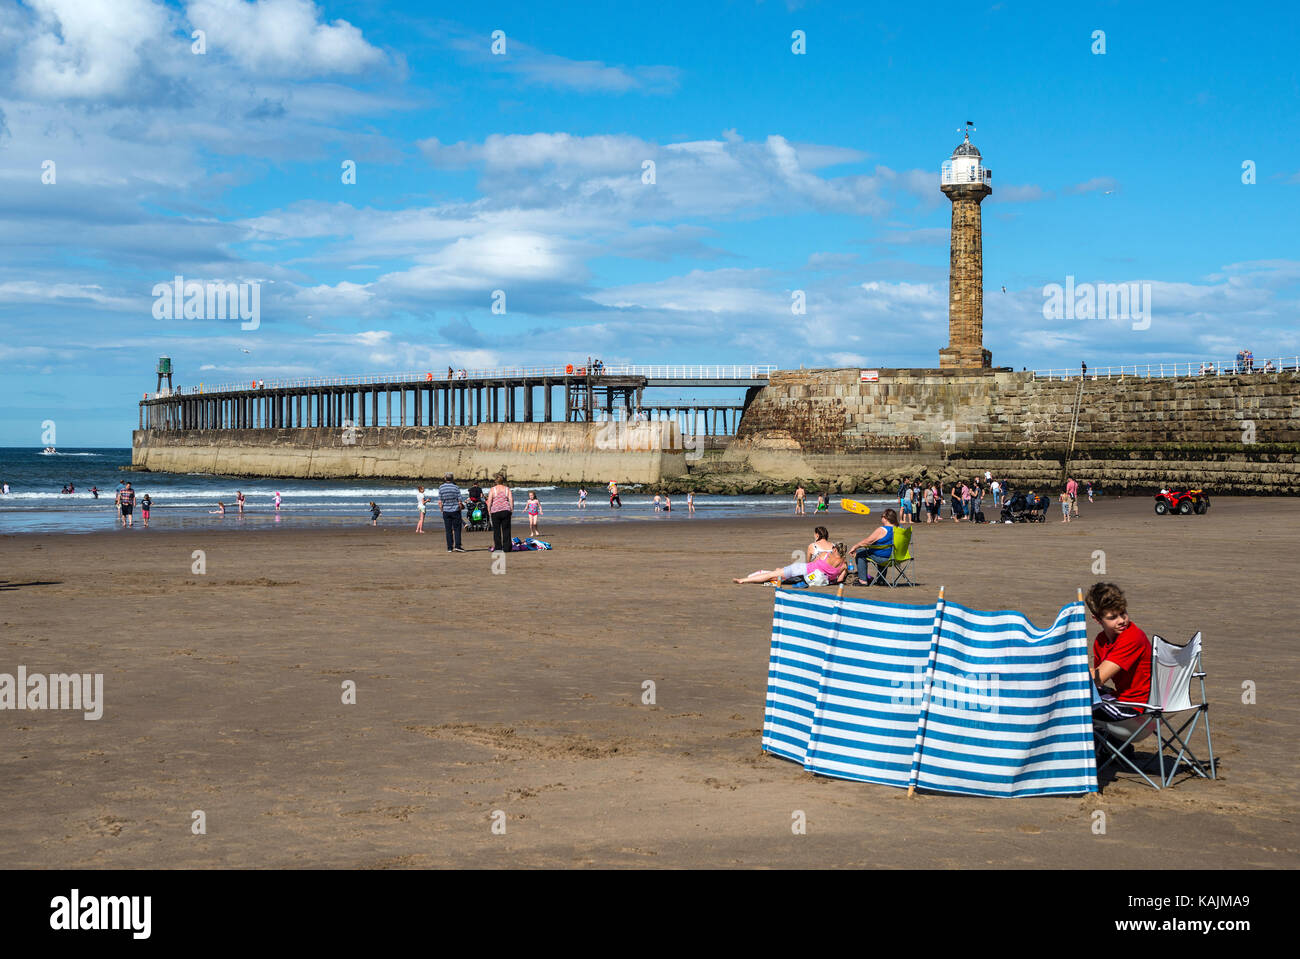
(1022,509)
(476,516)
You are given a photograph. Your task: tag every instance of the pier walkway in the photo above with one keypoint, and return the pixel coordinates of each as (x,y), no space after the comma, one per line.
(456,398)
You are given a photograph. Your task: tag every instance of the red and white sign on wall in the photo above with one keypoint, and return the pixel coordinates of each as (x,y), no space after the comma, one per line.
(870,376)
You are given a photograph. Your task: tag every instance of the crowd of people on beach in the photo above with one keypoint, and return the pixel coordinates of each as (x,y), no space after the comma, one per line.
(934,501)
(828,563)
(494,506)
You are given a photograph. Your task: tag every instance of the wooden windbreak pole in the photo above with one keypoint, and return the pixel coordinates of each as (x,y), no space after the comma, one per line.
(925,699)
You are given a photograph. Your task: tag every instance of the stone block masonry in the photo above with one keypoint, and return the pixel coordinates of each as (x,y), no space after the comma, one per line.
(1236,433)
(591,453)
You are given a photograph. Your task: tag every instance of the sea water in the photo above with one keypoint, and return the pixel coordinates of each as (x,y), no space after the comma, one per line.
(187,500)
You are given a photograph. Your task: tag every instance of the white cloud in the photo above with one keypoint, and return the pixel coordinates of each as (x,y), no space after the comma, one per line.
(831,261)
(701,291)
(282,37)
(1098,184)
(89,49)
(1012,193)
(532,66)
(925,236)
(513,152)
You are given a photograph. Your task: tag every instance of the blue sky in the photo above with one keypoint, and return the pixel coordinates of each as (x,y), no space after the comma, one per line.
(522,172)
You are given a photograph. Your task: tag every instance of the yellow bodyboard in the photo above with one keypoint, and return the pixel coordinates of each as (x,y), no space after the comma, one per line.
(853,506)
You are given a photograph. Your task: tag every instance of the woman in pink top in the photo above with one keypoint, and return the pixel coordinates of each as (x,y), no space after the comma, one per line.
(501,505)
(823,557)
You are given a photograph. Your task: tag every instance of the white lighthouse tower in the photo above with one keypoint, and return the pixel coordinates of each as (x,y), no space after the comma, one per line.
(966,182)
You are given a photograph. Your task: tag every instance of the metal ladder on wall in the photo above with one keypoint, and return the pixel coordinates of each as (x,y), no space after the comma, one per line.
(1074,427)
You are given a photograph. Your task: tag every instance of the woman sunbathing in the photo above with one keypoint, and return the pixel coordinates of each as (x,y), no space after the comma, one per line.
(822,556)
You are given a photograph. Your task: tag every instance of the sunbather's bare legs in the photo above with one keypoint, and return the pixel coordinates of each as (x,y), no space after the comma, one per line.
(762,576)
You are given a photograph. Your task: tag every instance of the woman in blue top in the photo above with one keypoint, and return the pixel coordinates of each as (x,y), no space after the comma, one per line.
(878,547)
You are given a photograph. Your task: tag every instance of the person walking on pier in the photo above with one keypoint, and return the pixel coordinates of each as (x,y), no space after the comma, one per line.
(421,502)
(501,505)
(452,504)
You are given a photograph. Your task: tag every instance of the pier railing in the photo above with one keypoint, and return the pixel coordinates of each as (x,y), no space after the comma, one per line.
(756,372)
(1233,367)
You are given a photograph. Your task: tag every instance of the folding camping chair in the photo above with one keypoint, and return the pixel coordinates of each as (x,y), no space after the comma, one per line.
(897,570)
(1172,670)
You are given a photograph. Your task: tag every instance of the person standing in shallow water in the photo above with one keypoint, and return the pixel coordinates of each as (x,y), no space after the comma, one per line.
(800,494)
(128,505)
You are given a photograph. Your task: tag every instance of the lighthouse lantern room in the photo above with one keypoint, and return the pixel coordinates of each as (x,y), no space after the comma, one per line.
(965,166)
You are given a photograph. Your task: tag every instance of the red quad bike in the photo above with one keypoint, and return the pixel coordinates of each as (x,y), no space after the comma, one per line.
(1182,502)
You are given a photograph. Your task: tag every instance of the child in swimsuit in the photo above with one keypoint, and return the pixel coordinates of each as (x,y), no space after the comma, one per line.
(534,510)
(144,508)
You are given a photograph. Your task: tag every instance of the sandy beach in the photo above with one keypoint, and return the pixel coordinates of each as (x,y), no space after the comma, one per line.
(522,692)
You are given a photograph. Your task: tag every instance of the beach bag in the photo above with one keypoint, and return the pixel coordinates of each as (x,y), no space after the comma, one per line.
(817,578)
(476,513)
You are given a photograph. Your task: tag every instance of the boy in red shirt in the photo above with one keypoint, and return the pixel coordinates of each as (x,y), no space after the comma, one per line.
(1121,655)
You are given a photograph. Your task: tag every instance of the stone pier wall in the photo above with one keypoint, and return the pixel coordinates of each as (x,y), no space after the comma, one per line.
(1236,433)
(591,453)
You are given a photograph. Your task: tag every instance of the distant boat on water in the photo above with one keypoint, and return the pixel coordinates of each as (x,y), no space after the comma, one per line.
(48,451)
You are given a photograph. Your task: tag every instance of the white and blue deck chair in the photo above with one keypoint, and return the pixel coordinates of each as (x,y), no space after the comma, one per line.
(1169,713)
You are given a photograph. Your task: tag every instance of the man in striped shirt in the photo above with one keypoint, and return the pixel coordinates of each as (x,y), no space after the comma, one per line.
(449,499)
